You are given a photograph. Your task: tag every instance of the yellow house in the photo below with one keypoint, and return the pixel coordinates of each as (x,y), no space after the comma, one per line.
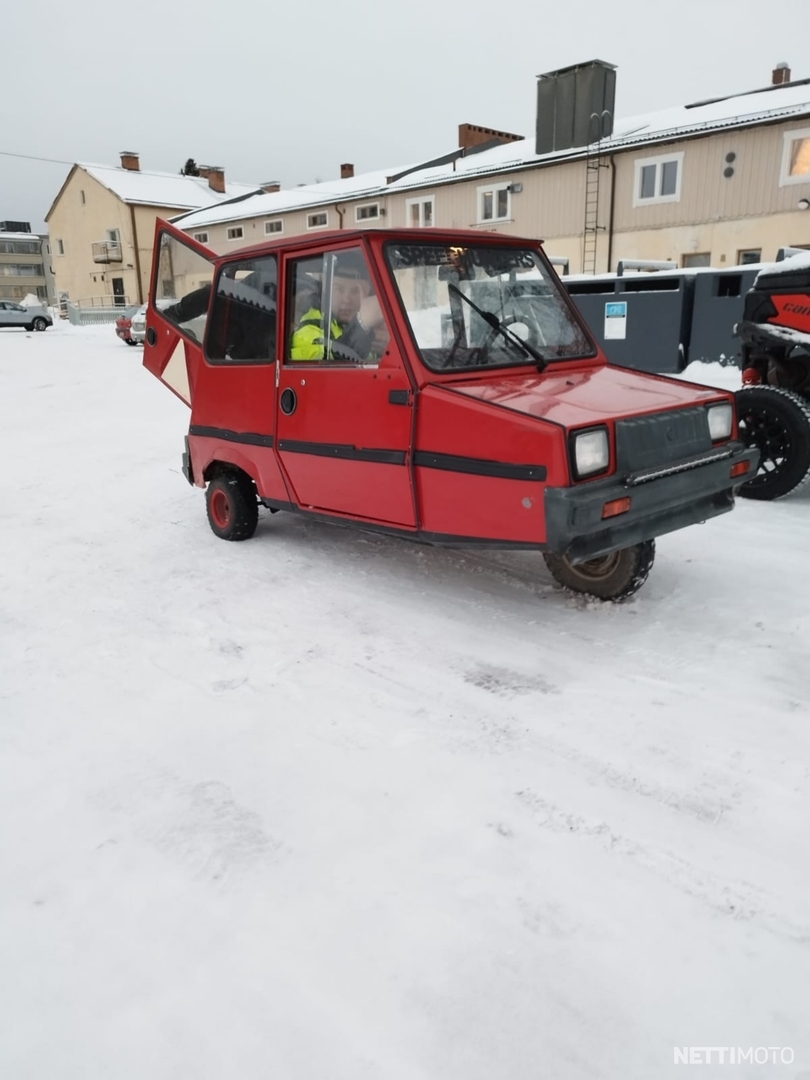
(102,225)
(719,183)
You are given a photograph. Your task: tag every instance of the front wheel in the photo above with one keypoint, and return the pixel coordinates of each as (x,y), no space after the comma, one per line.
(40,324)
(610,577)
(233,511)
(777,423)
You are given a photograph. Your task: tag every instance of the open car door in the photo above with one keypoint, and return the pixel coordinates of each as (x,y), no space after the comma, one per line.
(180,294)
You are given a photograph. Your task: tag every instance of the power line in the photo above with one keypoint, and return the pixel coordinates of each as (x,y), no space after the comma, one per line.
(30,157)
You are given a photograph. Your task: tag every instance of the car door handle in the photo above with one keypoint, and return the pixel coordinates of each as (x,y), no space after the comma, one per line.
(399,397)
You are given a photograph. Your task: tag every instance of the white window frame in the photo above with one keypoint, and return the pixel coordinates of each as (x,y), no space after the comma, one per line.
(659,162)
(233,228)
(317,213)
(200,237)
(276,231)
(493,188)
(748,251)
(367,206)
(785,179)
(421,204)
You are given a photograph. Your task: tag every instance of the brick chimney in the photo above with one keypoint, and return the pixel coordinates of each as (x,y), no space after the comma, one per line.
(215,175)
(346,171)
(781,74)
(130,161)
(470,135)
(271,187)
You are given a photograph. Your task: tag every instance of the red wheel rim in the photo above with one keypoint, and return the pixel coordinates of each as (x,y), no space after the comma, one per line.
(220,509)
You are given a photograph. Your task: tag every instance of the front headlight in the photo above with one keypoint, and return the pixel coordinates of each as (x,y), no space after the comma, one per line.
(591,453)
(720,422)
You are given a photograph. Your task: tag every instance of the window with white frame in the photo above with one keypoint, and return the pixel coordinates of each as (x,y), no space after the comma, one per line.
(748,256)
(658,179)
(494,203)
(113,236)
(419,213)
(796,158)
(367,213)
(273,227)
(201,237)
(236,232)
(318,221)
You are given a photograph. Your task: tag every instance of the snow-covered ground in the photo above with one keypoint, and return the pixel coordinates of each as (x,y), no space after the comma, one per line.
(330,806)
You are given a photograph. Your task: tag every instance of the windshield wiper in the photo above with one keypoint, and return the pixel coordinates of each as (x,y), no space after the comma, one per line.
(491,319)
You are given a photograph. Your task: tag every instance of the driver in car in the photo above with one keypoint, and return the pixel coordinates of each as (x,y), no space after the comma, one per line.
(357,330)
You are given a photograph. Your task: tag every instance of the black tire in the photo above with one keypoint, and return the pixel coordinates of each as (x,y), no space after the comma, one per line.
(129,341)
(39,324)
(610,577)
(777,423)
(233,511)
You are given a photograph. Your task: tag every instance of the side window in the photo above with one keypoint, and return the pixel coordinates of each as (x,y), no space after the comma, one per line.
(182,287)
(333,314)
(242,323)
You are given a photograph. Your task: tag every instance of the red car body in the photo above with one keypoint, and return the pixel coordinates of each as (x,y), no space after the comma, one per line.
(454,457)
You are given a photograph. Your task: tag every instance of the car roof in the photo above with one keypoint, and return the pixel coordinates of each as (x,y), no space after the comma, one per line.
(415,236)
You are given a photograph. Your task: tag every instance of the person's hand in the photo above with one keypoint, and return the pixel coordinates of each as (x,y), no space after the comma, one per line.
(370,315)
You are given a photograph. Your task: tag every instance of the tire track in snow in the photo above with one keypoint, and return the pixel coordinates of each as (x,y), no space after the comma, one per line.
(740,900)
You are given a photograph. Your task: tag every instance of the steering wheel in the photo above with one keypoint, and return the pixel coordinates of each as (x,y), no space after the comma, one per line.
(531,332)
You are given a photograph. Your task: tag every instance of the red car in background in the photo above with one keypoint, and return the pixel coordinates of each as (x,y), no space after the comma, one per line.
(123,324)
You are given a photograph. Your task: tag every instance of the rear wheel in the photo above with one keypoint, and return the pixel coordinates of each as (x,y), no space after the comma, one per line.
(777,423)
(610,577)
(129,341)
(233,511)
(40,324)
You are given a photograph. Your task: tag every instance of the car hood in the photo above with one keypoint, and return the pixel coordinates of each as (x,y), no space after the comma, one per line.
(579,398)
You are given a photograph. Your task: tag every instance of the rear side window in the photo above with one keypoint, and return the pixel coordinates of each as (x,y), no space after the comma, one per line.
(242,324)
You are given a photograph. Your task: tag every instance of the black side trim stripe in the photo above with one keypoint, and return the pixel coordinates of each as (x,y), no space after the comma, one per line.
(231,436)
(478,466)
(342,451)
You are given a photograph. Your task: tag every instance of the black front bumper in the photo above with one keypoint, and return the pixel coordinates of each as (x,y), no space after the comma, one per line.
(687,493)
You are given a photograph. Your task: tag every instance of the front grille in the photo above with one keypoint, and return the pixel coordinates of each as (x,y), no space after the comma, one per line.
(649,442)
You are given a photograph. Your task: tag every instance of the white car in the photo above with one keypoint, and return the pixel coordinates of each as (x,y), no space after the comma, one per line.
(31,318)
(137,326)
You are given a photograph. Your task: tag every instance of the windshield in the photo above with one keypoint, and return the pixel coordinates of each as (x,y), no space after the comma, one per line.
(473,307)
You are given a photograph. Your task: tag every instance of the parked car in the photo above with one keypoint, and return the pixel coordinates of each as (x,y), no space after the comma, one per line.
(437,385)
(123,325)
(28,318)
(137,327)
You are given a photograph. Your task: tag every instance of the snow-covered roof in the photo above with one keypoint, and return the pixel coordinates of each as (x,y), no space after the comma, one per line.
(162,189)
(667,125)
(19,236)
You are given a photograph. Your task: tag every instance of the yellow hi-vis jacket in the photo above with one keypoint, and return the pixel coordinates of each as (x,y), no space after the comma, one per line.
(307,341)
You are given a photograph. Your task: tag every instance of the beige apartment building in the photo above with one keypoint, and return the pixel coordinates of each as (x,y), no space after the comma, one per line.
(102,225)
(717,183)
(24,262)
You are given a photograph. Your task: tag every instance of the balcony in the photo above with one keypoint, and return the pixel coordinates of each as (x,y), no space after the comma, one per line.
(107,251)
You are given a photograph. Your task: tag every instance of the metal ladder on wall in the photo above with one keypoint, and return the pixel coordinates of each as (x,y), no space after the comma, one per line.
(593,173)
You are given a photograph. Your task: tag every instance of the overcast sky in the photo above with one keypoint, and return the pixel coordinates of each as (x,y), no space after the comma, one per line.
(288,90)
